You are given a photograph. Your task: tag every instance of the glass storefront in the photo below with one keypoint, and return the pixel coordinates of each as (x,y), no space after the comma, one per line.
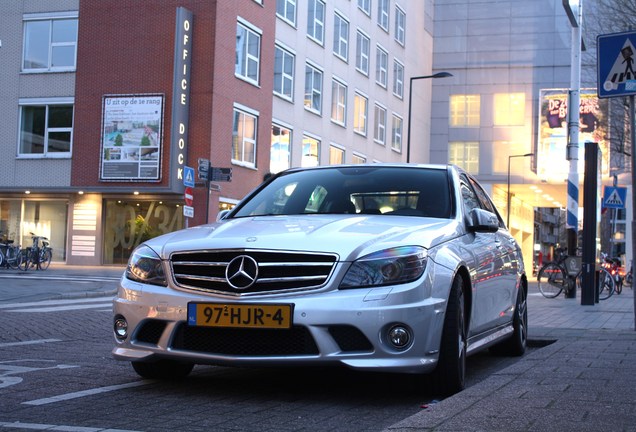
(129,223)
(48,218)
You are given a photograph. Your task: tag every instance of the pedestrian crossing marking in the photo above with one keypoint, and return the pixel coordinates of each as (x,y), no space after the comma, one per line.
(623,68)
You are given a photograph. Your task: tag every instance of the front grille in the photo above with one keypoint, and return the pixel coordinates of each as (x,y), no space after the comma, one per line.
(245,342)
(277,271)
(150,331)
(350,339)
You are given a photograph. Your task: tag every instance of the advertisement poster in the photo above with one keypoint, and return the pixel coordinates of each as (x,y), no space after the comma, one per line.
(552,163)
(131,137)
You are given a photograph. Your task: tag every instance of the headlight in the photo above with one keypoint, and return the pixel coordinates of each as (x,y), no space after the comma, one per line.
(145,266)
(387,267)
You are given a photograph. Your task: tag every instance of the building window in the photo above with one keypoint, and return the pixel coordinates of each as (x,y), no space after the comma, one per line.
(336,155)
(316,21)
(286,10)
(280,155)
(400,25)
(338,102)
(341,37)
(398,79)
(464,110)
(365,6)
(379,127)
(244,138)
(311,150)
(465,155)
(248,53)
(363,47)
(50,44)
(284,73)
(383,14)
(46,130)
(396,134)
(358,159)
(313,89)
(381,67)
(360,107)
(510,109)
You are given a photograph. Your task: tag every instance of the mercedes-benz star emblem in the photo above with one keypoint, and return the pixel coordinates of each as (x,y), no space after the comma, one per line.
(241,272)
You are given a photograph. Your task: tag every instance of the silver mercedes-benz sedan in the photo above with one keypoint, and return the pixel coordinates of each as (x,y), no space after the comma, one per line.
(382,267)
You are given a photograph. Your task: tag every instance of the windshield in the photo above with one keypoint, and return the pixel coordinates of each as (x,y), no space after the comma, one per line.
(406,191)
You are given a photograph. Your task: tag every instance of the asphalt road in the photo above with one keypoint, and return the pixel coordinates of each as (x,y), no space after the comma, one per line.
(56,371)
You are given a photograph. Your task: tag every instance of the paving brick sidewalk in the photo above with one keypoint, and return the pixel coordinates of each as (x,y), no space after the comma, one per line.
(584,381)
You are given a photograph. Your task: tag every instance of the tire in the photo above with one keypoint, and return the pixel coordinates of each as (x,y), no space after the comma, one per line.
(44,260)
(605,285)
(516,345)
(552,280)
(450,375)
(15,258)
(25,261)
(163,369)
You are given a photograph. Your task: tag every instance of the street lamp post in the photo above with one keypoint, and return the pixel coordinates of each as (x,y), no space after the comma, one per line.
(508,190)
(408,133)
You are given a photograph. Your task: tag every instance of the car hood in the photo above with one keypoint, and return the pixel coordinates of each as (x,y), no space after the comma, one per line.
(349,237)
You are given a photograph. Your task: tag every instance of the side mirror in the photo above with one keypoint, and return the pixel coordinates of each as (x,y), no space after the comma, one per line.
(222,215)
(480,220)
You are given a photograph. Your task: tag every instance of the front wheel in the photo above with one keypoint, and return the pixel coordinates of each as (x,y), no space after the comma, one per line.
(450,375)
(45,259)
(606,285)
(552,280)
(25,261)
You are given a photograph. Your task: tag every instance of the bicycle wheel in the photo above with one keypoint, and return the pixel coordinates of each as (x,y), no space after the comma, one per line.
(44,260)
(24,261)
(605,284)
(14,258)
(552,280)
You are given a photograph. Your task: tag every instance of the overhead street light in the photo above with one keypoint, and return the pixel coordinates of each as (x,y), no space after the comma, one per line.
(508,190)
(408,133)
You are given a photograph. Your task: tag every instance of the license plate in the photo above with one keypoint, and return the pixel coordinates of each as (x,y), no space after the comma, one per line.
(272,316)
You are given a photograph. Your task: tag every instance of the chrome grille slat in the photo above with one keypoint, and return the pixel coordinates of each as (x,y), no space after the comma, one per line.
(278,271)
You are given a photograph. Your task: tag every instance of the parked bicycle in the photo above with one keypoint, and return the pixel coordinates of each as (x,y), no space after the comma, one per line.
(554,277)
(10,253)
(39,255)
(613,265)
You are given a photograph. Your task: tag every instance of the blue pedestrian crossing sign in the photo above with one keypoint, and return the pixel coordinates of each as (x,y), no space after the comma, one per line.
(614,197)
(188,176)
(616,54)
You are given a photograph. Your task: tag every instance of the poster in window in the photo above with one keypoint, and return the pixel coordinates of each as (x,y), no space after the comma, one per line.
(131,137)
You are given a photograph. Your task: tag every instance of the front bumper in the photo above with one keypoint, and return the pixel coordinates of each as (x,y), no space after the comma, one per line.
(348,327)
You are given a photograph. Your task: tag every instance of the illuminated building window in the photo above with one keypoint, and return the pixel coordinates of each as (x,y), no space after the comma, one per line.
(464,154)
(510,109)
(464,110)
(280,152)
(311,152)
(338,102)
(360,109)
(358,159)
(336,155)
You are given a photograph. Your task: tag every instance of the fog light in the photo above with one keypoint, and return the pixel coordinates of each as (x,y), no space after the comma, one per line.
(121,328)
(399,336)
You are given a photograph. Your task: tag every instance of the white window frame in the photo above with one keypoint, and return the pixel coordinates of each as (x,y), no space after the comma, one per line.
(340,150)
(290,130)
(358,158)
(279,85)
(398,78)
(360,117)
(289,8)
(245,112)
(340,36)
(396,133)
(379,124)
(50,18)
(381,66)
(314,91)
(383,14)
(307,135)
(363,51)
(316,25)
(466,148)
(339,108)
(365,6)
(400,25)
(243,57)
(47,103)
(460,113)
